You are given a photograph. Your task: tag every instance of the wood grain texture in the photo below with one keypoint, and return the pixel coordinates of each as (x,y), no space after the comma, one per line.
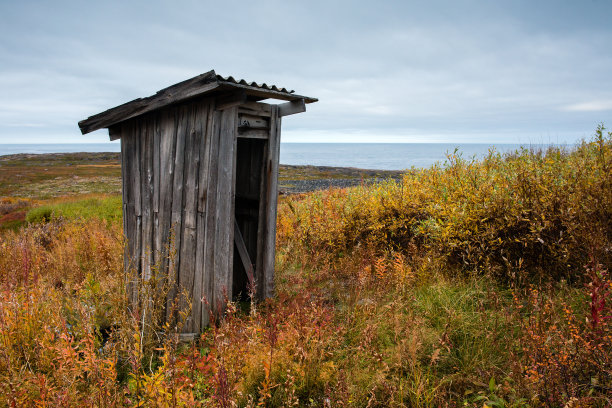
(255,108)
(188,240)
(146,171)
(200,294)
(243,253)
(291,108)
(190,88)
(211,211)
(136,188)
(271,202)
(190,172)
(246,121)
(224,239)
(253,133)
(176,220)
(166,179)
(157,240)
(232,99)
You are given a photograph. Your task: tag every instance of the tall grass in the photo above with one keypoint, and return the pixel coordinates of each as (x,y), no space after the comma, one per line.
(100,207)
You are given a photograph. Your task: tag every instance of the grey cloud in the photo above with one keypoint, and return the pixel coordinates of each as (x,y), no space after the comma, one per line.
(394,70)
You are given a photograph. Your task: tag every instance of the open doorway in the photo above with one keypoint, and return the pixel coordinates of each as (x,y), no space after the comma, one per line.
(248,212)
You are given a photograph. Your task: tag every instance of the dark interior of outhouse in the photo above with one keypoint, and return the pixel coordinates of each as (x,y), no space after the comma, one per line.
(248,210)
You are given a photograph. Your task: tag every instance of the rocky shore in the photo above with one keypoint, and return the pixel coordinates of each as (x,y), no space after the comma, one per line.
(58,174)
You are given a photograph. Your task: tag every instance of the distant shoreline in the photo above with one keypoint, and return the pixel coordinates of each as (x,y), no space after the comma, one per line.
(292,178)
(382,156)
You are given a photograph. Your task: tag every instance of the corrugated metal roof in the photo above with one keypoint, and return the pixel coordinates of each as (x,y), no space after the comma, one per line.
(232,80)
(206,83)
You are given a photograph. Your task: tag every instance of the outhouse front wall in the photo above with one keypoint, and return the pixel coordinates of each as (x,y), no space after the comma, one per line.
(179,196)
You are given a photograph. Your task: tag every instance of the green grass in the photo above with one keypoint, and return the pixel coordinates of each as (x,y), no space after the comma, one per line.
(107,208)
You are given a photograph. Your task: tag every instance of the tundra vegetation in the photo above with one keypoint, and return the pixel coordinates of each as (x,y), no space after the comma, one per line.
(470,283)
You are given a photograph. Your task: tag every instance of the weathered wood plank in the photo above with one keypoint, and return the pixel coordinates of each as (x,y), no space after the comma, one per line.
(199,290)
(176,220)
(224,240)
(232,99)
(114,132)
(190,88)
(166,179)
(291,108)
(157,237)
(262,224)
(187,89)
(252,122)
(124,200)
(127,149)
(211,210)
(137,217)
(135,165)
(253,134)
(243,253)
(271,202)
(188,244)
(146,166)
(255,108)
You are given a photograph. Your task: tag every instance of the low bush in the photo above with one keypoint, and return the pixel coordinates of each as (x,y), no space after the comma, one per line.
(528,215)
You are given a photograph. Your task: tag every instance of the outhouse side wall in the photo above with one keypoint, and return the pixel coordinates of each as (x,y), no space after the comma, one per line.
(178,168)
(177,175)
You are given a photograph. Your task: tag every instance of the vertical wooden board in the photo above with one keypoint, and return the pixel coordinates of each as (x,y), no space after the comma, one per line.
(241,199)
(272,175)
(199,291)
(202,258)
(205,110)
(135,167)
(211,210)
(224,242)
(192,164)
(177,207)
(166,180)
(200,295)
(146,156)
(262,224)
(136,217)
(125,177)
(231,219)
(127,148)
(188,240)
(157,241)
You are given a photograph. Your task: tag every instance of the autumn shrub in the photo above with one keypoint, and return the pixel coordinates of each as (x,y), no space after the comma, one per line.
(567,344)
(534,211)
(384,297)
(69,336)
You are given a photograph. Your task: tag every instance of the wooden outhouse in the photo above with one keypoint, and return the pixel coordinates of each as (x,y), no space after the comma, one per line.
(199,164)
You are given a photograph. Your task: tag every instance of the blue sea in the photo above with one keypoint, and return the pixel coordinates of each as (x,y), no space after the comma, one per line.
(383,156)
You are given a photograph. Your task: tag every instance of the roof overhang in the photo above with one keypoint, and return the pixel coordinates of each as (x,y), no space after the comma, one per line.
(204,84)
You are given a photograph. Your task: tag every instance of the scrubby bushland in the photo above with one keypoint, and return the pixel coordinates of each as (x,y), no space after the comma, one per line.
(467,284)
(527,215)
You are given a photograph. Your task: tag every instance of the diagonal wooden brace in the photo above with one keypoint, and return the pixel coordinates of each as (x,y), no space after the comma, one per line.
(244,255)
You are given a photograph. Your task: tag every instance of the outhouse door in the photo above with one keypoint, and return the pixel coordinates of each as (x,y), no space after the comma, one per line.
(256,157)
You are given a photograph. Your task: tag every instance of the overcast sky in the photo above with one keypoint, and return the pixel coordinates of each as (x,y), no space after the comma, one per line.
(384,71)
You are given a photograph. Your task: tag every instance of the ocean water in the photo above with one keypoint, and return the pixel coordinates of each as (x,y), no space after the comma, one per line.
(383,156)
